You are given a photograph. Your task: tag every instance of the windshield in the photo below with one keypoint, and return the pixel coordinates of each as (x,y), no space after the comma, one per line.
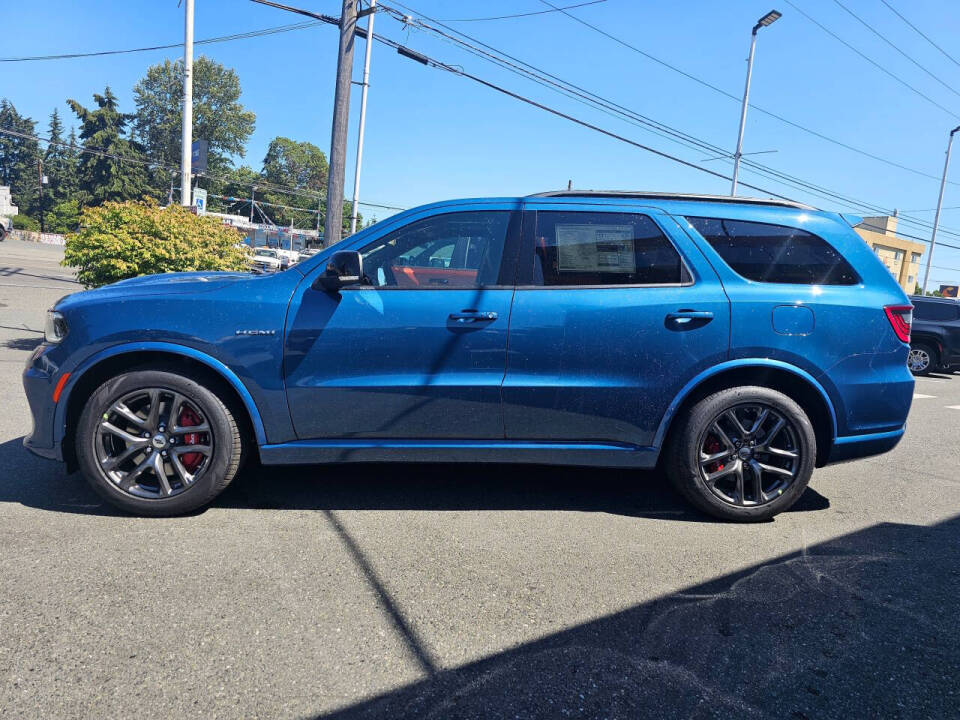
(266,253)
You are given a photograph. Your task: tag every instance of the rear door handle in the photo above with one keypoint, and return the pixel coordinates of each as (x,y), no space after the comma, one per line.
(473,316)
(684,319)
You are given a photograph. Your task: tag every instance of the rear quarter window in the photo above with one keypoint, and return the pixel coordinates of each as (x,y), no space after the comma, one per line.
(775,253)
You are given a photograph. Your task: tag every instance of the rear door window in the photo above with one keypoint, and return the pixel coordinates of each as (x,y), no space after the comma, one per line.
(775,253)
(935,311)
(574,248)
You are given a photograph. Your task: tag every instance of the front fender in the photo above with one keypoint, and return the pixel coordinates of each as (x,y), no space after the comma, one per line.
(60,415)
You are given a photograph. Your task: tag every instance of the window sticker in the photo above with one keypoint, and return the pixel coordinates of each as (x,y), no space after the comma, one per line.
(596,248)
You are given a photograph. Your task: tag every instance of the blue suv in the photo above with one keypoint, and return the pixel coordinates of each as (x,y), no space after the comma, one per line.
(736,343)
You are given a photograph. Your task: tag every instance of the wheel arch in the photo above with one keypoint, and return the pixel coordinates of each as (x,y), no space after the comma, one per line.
(96,370)
(793,382)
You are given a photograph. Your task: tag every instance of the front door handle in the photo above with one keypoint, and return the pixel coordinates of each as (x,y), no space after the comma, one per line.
(473,316)
(688,319)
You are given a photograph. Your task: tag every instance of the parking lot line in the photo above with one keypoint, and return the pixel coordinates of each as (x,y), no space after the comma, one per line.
(953,407)
(920,396)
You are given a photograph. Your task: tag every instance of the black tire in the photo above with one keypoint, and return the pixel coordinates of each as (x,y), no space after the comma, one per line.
(687,440)
(219,467)
(918,351)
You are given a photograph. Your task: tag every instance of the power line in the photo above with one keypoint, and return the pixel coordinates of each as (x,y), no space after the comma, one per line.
(738,99)
(896,47)
(674,135)
(526,14)
(873,62)
(176,168)
(206,41)
(921,33)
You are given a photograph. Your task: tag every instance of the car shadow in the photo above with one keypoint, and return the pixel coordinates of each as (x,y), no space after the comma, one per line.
(862,625)
(44,484)
(23,343)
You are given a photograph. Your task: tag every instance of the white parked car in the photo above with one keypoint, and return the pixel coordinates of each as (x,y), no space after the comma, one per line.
(266,260)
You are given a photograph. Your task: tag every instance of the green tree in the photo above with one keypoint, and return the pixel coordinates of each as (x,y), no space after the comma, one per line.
(117,241)
(299,166)
(218,116)
(59,164)
(116,171)
(18,157)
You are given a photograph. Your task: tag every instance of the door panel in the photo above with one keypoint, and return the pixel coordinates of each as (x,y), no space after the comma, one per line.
(419,352)
(393,364)
(604,362)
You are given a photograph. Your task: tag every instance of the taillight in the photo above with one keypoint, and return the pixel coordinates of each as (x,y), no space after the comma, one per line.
(900,317)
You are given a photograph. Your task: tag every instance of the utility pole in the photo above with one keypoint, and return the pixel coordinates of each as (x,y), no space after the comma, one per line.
(333,223)
(253,194)
(768,19)
(363,114)
(187,137)
(43,228)
(936,218)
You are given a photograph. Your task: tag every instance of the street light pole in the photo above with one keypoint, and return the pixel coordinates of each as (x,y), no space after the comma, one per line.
(936,218)
(768,19)
(363,114)
(187,134)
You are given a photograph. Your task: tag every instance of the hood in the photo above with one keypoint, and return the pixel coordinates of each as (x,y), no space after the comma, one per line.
(165,284)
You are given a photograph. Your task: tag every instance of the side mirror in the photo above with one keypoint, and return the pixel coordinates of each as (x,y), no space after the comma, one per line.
(343,268)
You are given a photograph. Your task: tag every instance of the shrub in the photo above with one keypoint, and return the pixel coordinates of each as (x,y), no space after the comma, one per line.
(25,222)
(63,217)
(117,241)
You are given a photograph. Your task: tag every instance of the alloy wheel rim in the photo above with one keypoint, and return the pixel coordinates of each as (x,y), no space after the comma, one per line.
(153,443)
(918,360)
(749,455)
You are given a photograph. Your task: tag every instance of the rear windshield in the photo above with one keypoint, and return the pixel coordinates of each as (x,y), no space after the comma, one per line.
(775,253)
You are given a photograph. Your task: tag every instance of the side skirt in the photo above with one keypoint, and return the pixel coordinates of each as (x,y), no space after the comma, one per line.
(306,452)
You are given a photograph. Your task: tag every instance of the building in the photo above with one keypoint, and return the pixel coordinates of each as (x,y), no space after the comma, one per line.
(901,256)
(7,208)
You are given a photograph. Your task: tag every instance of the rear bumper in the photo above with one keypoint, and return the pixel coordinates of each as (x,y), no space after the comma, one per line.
(859,446)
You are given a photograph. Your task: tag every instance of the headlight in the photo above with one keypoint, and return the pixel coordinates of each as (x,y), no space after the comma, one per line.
(55,328)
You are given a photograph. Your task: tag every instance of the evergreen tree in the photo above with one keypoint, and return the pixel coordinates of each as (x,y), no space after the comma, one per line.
(59,165)
(18,157)
(116,171)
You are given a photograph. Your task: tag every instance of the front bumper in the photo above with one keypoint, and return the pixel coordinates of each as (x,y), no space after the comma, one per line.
(39,382)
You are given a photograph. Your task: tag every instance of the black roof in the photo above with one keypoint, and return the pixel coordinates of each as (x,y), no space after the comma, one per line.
(686,197)
(933,298)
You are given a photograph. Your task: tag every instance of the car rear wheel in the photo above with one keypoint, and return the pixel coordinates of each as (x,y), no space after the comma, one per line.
(743,454)
(154,442)
(922,359)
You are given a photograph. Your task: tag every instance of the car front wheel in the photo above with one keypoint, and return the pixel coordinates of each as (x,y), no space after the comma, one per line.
(155,442)
(743,454)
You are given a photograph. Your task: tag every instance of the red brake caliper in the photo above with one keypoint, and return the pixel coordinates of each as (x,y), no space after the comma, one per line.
(713,446)
(191,461)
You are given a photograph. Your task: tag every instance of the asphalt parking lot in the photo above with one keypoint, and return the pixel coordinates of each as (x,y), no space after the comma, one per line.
(473,591)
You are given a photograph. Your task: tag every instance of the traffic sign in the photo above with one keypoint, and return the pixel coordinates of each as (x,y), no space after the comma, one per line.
(200,200)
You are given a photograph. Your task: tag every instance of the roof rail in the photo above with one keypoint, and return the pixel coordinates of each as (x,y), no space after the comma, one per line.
(689,197)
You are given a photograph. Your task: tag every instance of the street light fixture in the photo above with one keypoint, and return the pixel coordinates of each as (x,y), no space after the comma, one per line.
(936,218)
(768,19)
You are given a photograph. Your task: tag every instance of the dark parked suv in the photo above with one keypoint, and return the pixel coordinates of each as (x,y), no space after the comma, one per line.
(935,336)
(735,343)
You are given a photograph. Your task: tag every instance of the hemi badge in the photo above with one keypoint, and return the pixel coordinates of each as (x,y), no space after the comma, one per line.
(256,332)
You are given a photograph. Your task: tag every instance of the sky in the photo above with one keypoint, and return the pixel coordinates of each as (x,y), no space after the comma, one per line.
(433,135)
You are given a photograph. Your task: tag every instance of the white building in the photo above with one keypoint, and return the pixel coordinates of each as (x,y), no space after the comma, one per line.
(7,208)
